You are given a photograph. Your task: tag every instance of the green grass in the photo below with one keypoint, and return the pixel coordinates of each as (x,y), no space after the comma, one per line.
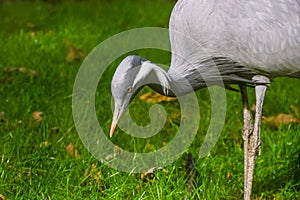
(33,169)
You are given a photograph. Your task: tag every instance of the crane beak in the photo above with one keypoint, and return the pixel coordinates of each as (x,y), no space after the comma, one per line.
(116,117)
(112,128)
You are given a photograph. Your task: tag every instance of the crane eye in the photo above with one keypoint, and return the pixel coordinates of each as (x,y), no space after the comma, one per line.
(129,90)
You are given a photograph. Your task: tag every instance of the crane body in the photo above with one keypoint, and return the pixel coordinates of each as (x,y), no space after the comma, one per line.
(242,42)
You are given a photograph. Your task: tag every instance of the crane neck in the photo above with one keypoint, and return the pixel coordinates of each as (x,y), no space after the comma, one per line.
(166,84)
(156,78)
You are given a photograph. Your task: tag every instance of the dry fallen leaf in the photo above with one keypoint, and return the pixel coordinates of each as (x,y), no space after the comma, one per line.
(37,116)
(280,119)
(74,52)
(150,172)
(29,72)
(2,197)
(73,152)
(9,73)
(152,97)
(118,151)
(70,149)
(23,70)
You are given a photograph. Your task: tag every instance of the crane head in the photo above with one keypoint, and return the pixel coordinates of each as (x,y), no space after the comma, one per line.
(123,86)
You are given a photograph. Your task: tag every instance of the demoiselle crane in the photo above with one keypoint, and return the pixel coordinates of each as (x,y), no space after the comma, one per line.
(249,42)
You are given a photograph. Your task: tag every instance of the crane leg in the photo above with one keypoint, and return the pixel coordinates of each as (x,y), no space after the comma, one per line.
(247,131)
(252,135)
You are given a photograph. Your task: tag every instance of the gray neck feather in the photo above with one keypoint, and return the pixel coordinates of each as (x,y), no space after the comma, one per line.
(176,86)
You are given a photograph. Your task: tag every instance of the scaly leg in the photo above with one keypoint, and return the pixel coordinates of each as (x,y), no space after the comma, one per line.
(254,139)
(247,131)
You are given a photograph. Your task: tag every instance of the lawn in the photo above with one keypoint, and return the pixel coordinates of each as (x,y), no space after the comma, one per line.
(43,45)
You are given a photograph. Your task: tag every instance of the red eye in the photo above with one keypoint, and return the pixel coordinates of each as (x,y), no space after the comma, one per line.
(129,90)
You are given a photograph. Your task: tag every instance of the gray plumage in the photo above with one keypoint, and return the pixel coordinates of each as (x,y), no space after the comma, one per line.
(247,42)
(243,38)
(262,37)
